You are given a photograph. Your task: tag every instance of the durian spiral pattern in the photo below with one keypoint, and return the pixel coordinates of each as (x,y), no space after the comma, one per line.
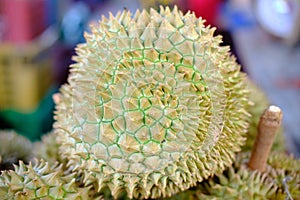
(152,106)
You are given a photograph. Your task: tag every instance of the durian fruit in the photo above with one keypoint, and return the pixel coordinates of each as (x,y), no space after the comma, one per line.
(13,147)
(259,103)
(238,185)
(42,181)
(47,149)
(285,171)
(280,181)
(153,104)
(236,182)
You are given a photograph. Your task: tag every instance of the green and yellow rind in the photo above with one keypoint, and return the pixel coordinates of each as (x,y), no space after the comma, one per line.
(42,181)
(152,106)
(280,181)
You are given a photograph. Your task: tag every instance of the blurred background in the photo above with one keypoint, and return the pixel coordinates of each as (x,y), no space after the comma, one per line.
(38,37)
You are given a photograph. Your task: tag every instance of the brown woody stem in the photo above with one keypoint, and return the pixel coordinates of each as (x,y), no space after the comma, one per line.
(268,125)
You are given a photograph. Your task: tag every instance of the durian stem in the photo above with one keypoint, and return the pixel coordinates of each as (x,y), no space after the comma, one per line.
(268,125)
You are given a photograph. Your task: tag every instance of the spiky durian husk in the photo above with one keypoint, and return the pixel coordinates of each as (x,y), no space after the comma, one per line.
(153,104)
(42,181)
(47,149)
(13,147)
(285,171)
(231,185)
(259,103)
(236,182)
(281,179)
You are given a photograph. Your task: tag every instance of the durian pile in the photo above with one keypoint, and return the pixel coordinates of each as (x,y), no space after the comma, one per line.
(154,108)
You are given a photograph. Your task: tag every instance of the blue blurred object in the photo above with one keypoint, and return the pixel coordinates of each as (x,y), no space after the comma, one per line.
(93,4)
(74,22)
(279,17)
(236,18)
(51,12)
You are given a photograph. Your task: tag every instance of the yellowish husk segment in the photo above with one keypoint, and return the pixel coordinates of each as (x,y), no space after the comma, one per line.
(280,181)
(42,181)
(152,106)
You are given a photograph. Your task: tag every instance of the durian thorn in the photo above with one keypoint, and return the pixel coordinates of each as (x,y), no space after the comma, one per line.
(56,98)
(268,125)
